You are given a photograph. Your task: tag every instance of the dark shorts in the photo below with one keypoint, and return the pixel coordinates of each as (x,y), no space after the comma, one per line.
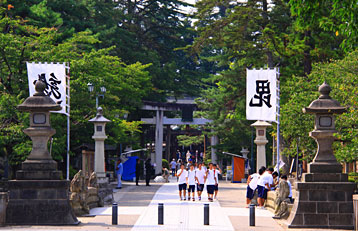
(250,193)
(262,192)
(182,187)
(210,189)
(216,187)
(200,187)
(191,188)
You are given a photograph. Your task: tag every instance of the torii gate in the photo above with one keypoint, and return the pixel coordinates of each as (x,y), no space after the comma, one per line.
(187,106)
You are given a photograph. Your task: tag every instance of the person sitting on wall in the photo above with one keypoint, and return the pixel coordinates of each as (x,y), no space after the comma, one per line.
(282,200)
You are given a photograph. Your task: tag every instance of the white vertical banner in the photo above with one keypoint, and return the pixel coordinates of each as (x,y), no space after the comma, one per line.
(261,94)
(54,76)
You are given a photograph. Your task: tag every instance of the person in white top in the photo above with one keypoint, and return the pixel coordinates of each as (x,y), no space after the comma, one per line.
(200,179)
(251,186)
(217,171)
(263,186)
(191,182)
(182,175)
(211,181)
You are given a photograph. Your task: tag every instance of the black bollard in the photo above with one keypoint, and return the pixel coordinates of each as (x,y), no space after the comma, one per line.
(160,214)
(206,214)
(114,214)
(252,215)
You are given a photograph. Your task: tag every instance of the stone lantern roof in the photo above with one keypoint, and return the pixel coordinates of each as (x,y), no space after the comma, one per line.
(99,117)
(325,103)
(261,123)
(39,101)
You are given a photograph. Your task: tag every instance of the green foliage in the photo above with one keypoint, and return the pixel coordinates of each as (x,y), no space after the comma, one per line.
(184,140)
(341,75)
(165,164)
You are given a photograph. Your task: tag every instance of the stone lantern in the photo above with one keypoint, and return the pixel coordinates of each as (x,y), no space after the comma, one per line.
(99,136)
(38,196)
(261,142)
(324,198)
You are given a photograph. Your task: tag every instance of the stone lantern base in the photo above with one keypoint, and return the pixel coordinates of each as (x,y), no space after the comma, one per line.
(39,202)
(326,205)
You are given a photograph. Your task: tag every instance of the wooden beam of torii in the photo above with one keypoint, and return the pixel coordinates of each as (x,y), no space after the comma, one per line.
(177,121)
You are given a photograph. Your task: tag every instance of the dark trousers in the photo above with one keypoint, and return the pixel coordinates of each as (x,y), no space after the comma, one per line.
(136,179)
(147,179)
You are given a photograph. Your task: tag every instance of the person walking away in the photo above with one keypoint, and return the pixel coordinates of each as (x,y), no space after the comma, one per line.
(173,166)
(182,174)
(263,186)
(217,171)
(188,155)
(282,200)
(251,186)
(191,182)
(119,172)
(137,172)
(211,181)
(200,179)
(148,171)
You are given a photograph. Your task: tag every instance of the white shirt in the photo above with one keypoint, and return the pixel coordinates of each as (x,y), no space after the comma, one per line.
(200,174)
(289,185)
(183,176)
(265,178)
(254,180)
(210,180)
(191,177)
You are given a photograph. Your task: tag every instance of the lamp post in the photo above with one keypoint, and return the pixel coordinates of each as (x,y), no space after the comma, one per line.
(101,94)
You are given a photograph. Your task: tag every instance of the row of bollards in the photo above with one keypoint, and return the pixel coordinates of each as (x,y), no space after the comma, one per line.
(161,214)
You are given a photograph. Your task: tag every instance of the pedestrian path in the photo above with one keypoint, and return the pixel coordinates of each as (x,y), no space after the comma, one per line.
(182,215)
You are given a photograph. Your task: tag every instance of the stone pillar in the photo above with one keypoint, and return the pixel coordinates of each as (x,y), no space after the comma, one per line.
(324,198)
(214,141)
(261,142)
(158,141)
(99,136)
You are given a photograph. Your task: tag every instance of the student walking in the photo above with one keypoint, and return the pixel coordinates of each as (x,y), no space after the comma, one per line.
(137,172)
(191,182)
(211,181)
(217,171)
(182,174)
(200,179)
(251,186)
(263,186)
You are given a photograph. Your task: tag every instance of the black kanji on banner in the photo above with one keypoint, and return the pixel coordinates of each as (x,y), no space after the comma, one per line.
(263,94)
(51,87)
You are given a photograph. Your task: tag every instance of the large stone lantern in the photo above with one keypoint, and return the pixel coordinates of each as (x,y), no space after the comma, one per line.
(38,196)
(260,142)
(324,198)
(99,136)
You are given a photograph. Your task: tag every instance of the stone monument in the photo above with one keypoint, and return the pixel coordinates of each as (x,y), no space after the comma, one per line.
(38,196)
(324,198)
(261,142)
(99,136)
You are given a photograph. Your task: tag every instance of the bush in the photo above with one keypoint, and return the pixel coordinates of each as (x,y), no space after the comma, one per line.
(353,174)
(165,163)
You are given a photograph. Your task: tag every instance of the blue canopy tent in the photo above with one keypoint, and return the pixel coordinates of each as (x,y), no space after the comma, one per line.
(129,168)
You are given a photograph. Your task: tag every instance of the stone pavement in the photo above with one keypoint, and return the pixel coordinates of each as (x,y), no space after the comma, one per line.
(138,209)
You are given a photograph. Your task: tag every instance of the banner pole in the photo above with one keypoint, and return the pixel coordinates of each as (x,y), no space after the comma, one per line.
(68,125)
(278,121)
